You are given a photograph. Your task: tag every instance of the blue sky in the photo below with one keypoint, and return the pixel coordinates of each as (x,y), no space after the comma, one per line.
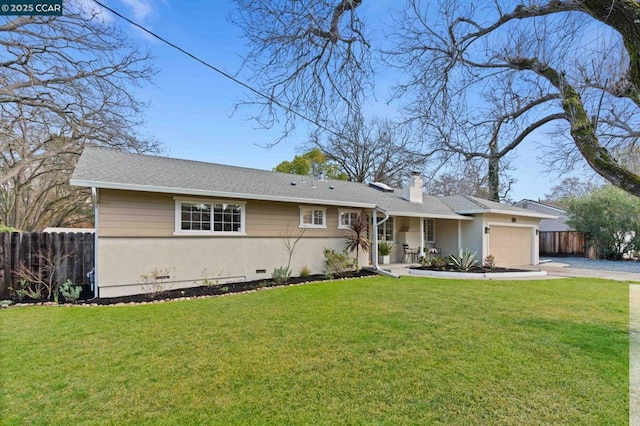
(191,106)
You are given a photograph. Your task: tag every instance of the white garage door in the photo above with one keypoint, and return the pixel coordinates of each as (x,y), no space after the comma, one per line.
(510,246)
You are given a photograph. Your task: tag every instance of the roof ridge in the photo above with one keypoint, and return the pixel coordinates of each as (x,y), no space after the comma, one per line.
(474,201)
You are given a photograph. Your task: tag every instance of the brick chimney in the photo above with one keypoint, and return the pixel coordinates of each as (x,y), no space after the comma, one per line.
(413,188)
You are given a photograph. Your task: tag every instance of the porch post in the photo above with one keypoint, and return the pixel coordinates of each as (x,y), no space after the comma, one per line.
(422,253)
(459,236)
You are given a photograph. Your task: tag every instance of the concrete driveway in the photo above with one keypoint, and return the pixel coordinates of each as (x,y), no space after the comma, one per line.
(556,269)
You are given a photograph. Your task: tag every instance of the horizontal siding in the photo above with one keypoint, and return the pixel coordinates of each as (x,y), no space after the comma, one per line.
(506,219)
(274,219)
(132,213)
(140,214)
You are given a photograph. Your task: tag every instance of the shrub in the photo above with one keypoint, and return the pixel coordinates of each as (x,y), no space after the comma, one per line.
(305,272)
(70,292)
(384,248)
(281,275)
(490,261)
(357,237)
(438,262)
(424,261)
(155,282)
(465,261)
(338,263)
(26,289)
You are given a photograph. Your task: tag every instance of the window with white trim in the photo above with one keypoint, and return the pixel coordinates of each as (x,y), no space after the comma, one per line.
(347,217)
(430,231)
(313,217)
(385,229)
(209,217)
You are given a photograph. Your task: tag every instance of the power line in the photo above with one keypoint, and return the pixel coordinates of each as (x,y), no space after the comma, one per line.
(218,70)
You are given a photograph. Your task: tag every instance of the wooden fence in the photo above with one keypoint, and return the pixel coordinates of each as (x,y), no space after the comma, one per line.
(560,243)
(71,254)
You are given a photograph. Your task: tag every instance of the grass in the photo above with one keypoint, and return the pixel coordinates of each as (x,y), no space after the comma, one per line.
(377,350)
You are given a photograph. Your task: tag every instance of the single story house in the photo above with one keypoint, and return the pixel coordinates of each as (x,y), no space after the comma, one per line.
(200,221)
(557,224)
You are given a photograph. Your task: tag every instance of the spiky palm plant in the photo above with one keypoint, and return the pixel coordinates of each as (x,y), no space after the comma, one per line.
(357,237)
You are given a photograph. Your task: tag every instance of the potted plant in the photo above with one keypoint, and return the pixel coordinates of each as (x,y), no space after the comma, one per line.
(384,252)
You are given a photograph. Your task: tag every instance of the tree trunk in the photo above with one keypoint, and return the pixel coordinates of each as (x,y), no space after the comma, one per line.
(494,171)
(582,129)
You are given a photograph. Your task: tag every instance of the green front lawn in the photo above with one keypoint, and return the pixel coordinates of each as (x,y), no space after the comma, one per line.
(376,350)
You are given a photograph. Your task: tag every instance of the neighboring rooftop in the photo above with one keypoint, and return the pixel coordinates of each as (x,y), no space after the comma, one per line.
(466,204)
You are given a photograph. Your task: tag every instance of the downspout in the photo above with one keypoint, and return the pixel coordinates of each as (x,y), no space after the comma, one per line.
(375,245)
(94,198)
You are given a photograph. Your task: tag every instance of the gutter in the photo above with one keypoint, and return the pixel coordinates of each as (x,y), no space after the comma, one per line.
(374,250)
(209,193)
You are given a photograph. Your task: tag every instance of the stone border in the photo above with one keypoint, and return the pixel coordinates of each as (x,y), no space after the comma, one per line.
(477,276)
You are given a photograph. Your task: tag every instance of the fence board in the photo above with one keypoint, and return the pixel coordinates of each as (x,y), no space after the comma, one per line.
(554,243)
(72,254)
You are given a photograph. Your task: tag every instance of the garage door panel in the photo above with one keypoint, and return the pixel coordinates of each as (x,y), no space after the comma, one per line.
(510,246)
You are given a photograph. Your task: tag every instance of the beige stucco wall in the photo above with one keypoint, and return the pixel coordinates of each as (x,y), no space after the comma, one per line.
(189,260)
(136,236)
(447,236)
(472,237)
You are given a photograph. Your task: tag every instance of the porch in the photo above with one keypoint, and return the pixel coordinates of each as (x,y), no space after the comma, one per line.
(415,237)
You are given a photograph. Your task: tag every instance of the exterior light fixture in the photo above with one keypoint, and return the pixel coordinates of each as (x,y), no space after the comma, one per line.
(486,229)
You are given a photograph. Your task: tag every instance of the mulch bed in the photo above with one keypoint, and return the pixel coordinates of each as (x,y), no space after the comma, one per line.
(221,289)
(472,270)
(206,291)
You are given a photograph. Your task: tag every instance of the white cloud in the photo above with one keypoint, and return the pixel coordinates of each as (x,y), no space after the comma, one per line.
(141,8)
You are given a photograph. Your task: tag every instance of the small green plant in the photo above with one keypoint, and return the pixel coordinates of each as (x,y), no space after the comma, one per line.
(155,282)
(465,261)
(424,261)
(438,262)
(70,292)
(26,289)
(336,263)
(490,261)
(305,272)
(281,275)
(384,248)
(206,281)
(224,289)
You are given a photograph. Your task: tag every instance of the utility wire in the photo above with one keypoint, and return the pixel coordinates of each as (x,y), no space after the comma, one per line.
(218,70)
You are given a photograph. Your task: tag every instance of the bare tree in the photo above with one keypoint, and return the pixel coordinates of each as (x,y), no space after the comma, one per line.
(468,177)
(570,66)
(65,81)
(571,187)
(376,151)
(539,47)
(311,56)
